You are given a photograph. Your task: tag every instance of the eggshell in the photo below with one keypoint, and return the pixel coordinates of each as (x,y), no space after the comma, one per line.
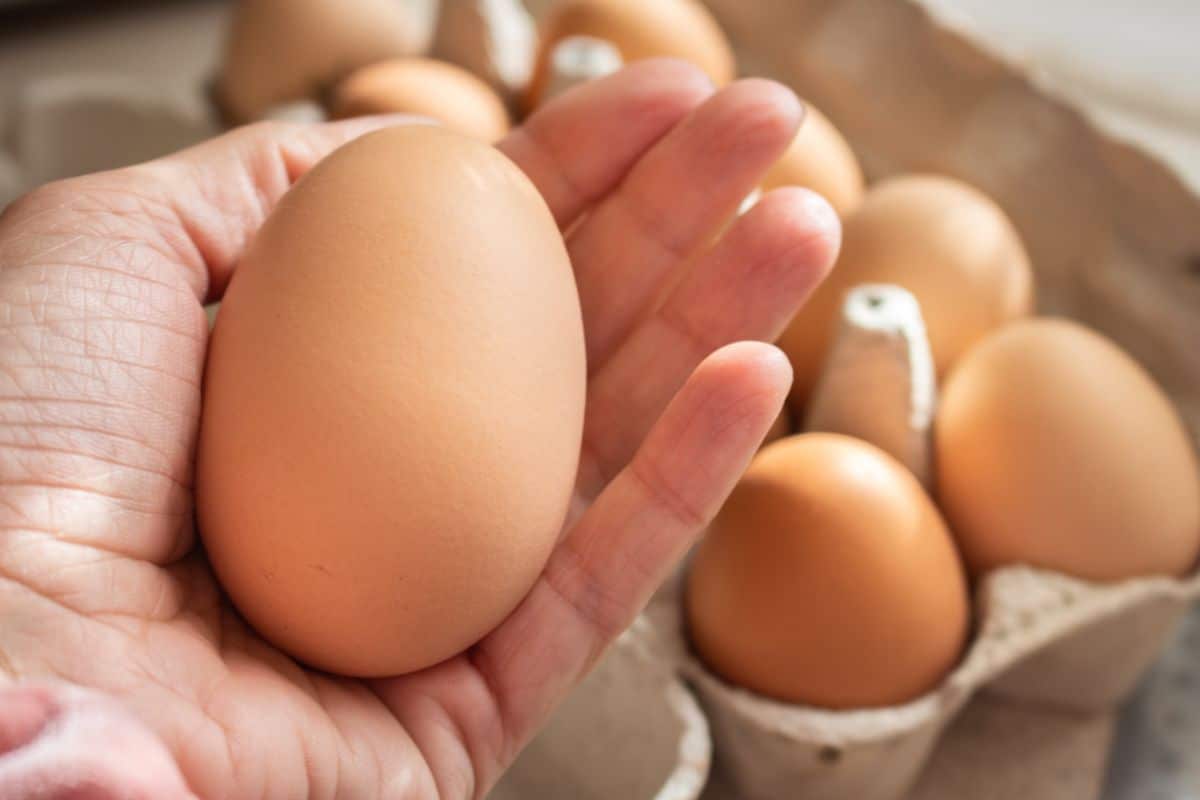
(1055,449)
(820,159)
(945,242)
(278,51)
(434,89)
(676,28)
(828,579)
(393,405)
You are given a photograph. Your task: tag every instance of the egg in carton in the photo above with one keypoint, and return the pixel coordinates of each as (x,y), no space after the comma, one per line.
(1038,631)
(1049,643)
(1063,652)
(1052,655)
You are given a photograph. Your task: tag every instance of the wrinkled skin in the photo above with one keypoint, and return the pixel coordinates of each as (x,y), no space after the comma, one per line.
(124,672)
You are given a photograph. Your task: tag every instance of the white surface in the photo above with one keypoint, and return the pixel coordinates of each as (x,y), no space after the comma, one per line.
(1133,66)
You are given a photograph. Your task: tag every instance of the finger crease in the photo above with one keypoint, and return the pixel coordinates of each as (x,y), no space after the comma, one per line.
(654,230)
(579,197)
(663,492)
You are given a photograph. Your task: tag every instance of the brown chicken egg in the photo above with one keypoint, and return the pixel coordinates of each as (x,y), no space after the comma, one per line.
(828,579)
(820,159)
(279,51)
(393,405)
(1057,450)
(434,89)
(942,240)
(639,29)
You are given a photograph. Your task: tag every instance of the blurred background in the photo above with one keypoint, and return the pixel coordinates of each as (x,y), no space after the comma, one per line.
(93,85)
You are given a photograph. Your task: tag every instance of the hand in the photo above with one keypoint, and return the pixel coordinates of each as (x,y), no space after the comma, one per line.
(102,340)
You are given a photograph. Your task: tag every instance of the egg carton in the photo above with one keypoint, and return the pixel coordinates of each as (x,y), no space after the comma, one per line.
(1060,653)
(630,730)
(1115,240)
(1027,714)
(77,123)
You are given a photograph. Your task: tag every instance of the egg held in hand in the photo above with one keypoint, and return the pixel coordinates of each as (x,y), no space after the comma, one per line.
(393,405)
(828,579)
(1055,449)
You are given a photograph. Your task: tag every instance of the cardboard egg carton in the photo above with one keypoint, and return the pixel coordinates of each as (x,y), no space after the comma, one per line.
(1115,242)
(78,123)
(630,730)
(1051,657)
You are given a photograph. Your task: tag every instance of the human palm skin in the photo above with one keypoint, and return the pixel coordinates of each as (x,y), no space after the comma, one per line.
(124,671)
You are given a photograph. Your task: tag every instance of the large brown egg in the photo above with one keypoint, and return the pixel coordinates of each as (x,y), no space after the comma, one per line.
(828,579)
(639,29)
(945,242)
(424,86)
(820,159)
(393,405)
(1055,449)
(279,51)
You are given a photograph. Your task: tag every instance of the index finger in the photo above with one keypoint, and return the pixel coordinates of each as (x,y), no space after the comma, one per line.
(579,147)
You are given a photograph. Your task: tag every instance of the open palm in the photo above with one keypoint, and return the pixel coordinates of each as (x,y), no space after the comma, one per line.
(102,342)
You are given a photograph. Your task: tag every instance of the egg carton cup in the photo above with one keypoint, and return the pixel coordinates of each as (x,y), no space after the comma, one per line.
(78,123)
(1060,653)
(631,730)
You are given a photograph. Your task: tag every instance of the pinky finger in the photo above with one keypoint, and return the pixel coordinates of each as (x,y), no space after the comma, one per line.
(620,551)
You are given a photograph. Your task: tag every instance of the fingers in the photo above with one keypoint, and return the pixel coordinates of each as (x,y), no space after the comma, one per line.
(578,147)
(673,201)
(624,546)
(198,207)
(747,287)
(77,743)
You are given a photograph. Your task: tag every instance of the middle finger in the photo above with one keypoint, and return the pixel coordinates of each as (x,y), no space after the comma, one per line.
(672,202)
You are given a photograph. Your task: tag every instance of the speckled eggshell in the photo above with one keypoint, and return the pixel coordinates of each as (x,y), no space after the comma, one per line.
(1057,450)
(944,241)
(828,579)
(425,86)
(393,405)
(639,29)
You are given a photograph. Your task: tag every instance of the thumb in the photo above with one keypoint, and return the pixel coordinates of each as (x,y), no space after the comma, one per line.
(206,202)
(61,741)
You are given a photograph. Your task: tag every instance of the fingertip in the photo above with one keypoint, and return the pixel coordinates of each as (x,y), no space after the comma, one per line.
(760,367)
(777,110)
(808,221)
(677,74)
